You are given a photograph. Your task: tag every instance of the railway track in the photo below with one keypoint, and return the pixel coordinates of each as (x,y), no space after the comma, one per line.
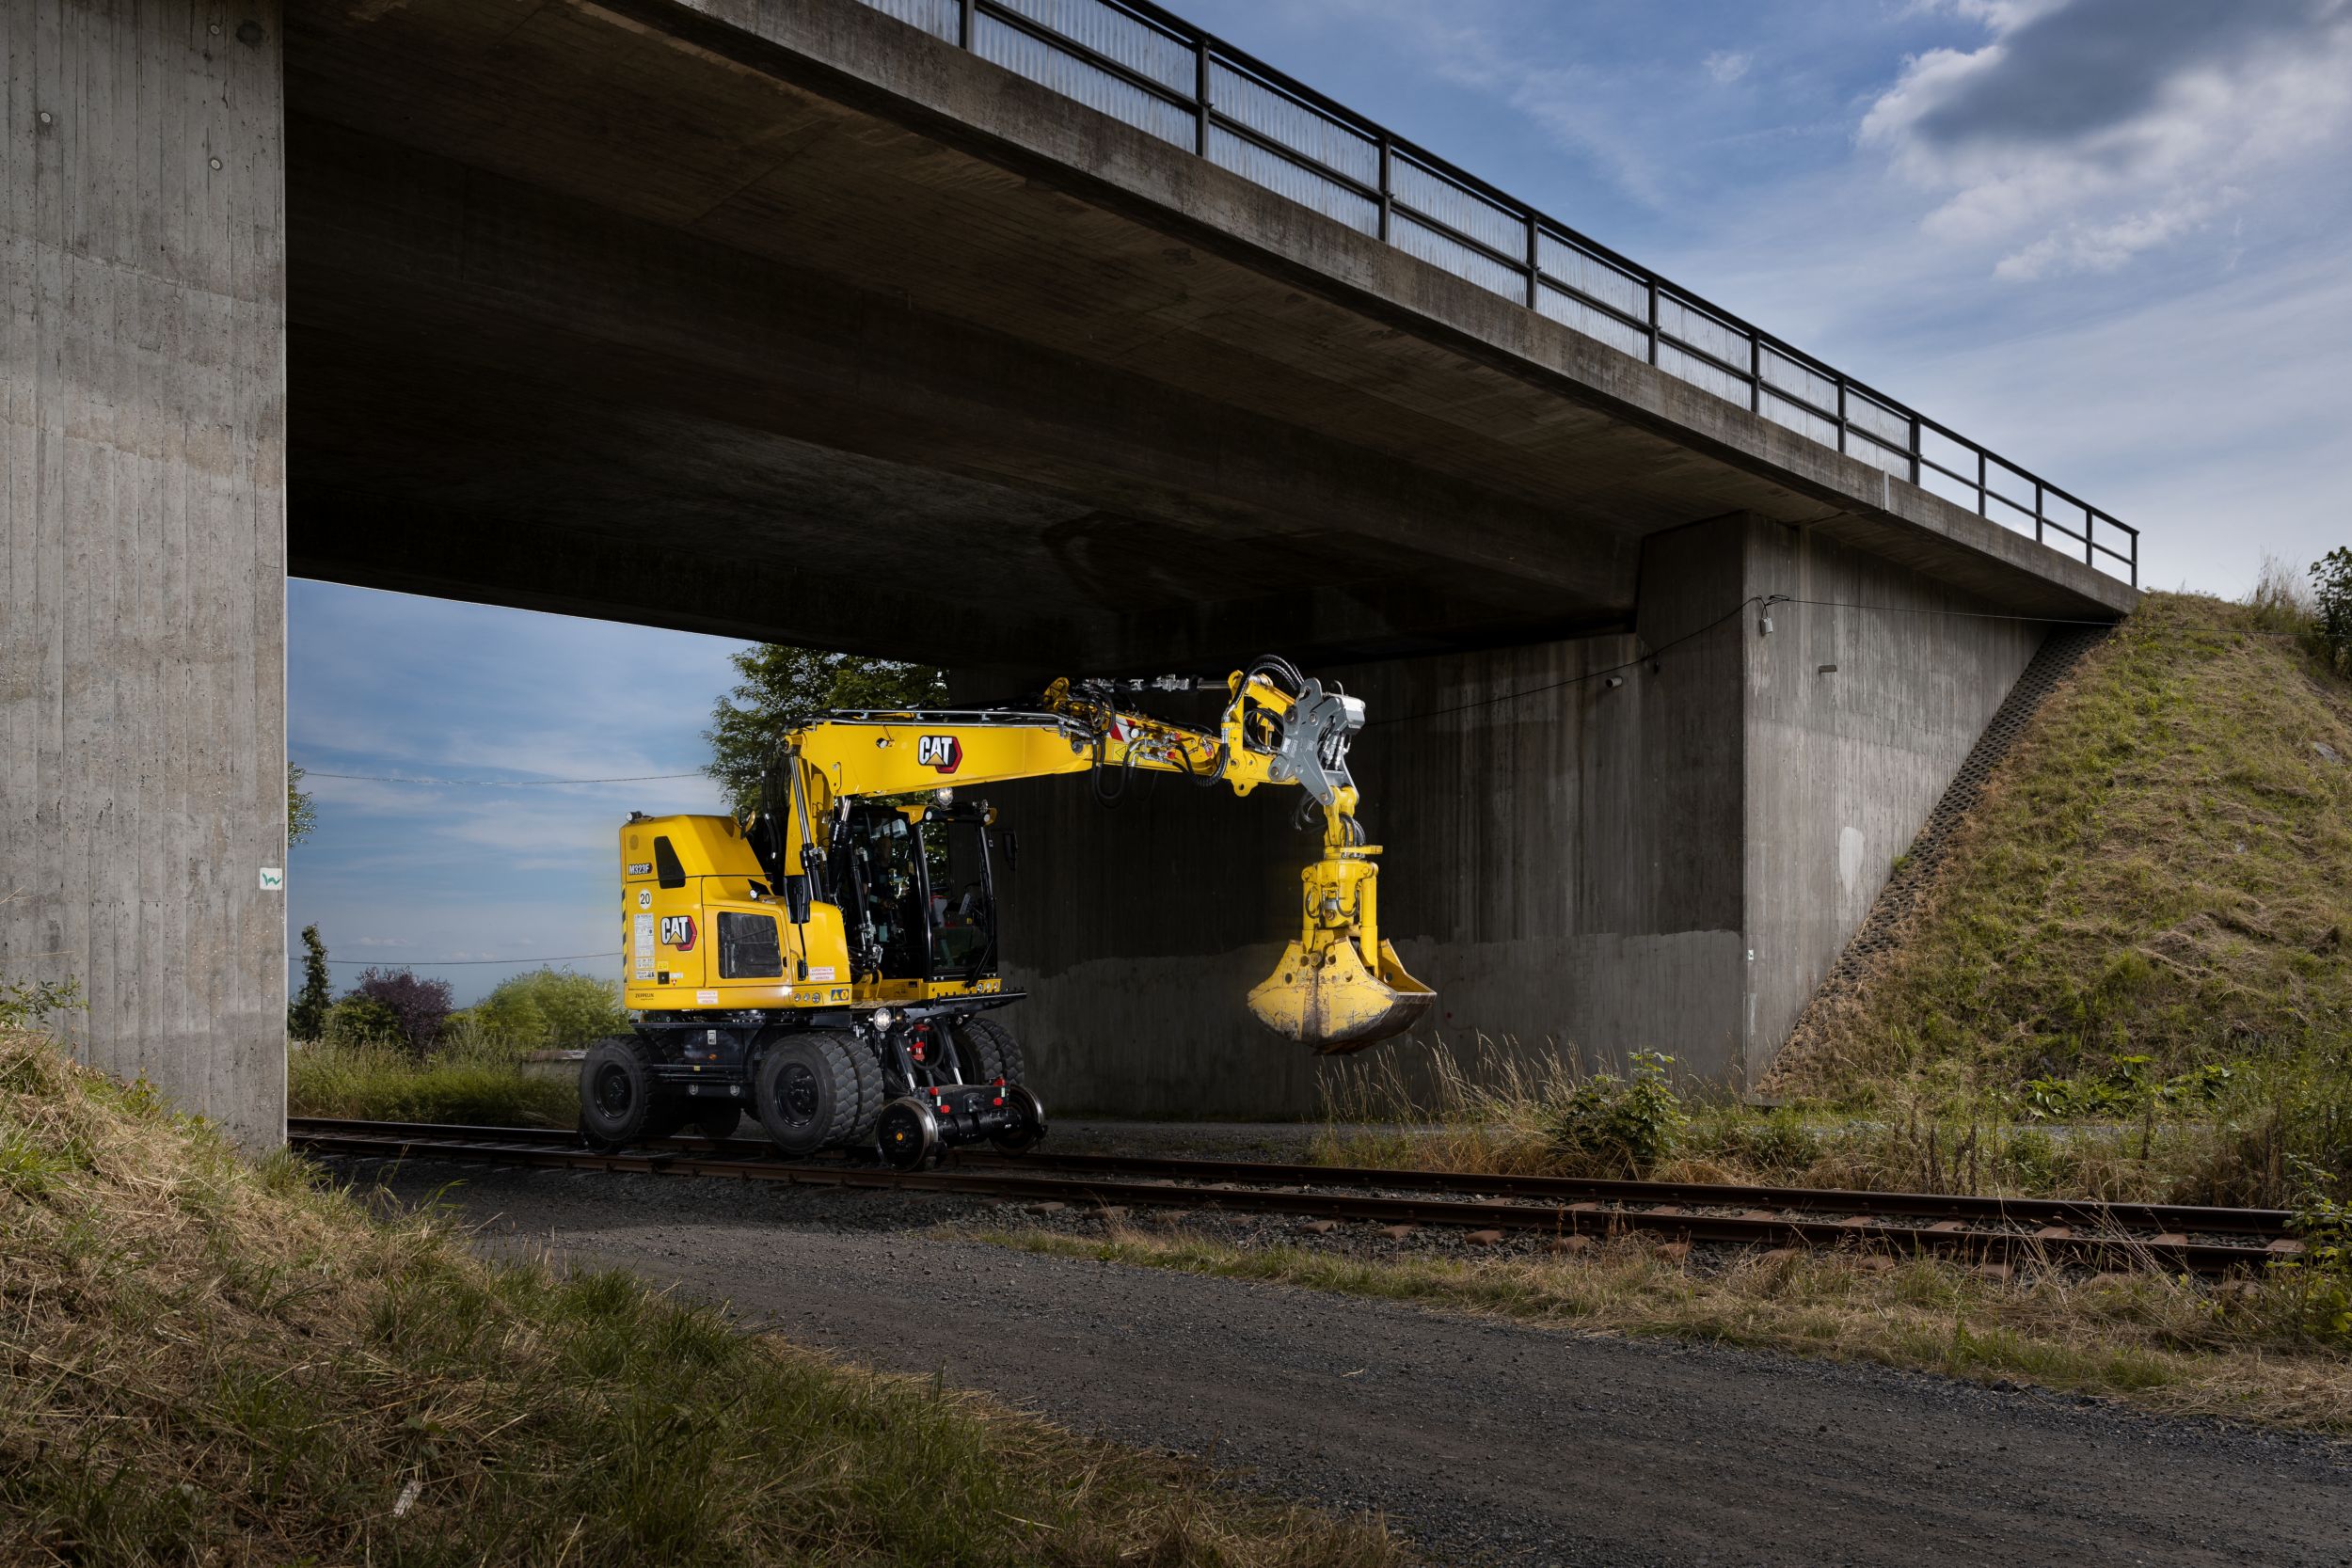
(2170,1237)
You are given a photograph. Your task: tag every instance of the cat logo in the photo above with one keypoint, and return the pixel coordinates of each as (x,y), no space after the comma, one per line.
(942,751)
(678,931)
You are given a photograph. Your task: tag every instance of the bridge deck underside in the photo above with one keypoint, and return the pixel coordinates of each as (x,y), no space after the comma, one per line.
(617,310)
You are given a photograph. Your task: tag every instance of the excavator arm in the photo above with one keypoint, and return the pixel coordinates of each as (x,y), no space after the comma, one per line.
(1340,985)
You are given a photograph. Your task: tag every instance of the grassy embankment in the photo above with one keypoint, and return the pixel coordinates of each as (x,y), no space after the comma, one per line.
(211,1360)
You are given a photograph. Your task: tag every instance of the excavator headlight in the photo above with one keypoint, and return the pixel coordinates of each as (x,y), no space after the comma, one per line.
(882,1017)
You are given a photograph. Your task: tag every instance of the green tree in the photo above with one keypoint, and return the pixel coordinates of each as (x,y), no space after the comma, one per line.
(782,684)
(2332,577)
(301,815)
(305,1017)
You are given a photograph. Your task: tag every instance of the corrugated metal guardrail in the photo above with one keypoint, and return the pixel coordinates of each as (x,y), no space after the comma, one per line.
(1145,66)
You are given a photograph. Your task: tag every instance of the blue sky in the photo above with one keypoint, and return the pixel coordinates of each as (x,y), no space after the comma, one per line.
(2103,237)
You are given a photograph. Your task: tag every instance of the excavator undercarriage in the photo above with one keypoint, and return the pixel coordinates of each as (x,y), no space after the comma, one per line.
(831,961)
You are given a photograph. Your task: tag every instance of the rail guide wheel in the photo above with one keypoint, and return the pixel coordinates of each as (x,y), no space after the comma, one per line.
(908,1134)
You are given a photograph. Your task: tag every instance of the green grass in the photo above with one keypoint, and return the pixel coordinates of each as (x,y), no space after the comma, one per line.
(2254,1351)
(208,1360)
(388,1083)
(2162,869)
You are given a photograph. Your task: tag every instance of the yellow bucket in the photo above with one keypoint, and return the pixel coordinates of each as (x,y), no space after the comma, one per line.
(1332,1002)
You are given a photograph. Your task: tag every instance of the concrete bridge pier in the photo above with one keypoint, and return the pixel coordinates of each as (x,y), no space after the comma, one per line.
(142,538)
(1658,839)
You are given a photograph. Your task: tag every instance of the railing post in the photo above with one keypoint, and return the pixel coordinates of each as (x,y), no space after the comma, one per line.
(2038,505)
(1653,321)
(967,23)
(1914,448)
(1755,372)
(1984,495)
(1841,414)
(1199,94)
(1388,199)
(1535,262)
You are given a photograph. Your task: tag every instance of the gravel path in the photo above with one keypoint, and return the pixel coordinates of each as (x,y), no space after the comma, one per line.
(1487,1441)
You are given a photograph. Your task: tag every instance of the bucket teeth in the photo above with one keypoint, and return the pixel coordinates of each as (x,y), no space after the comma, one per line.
(1331,1003)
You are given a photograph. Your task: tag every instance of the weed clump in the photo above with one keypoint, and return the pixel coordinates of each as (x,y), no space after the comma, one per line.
(1616,1127)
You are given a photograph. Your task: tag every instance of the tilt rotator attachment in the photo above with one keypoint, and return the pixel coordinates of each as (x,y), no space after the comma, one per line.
(1340,985)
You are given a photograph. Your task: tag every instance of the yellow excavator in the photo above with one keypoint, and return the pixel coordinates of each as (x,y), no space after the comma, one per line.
(830,959)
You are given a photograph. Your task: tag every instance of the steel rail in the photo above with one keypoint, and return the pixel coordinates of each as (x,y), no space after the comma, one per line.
(1775,1216)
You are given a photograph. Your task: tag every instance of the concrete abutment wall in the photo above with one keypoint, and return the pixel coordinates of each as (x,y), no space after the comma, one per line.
(142,538)
(1670,862)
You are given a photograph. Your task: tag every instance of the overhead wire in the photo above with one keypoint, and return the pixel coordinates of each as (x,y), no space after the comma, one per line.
(498,784)
(448,963)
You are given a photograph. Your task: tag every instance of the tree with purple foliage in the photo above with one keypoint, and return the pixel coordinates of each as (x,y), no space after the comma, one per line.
(417,1006)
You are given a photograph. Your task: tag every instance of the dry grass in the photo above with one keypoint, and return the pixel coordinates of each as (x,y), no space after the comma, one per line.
(209,1360)
(1496,1113)
(2167,1345)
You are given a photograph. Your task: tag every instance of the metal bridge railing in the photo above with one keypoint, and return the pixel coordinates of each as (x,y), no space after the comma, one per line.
(1137,63)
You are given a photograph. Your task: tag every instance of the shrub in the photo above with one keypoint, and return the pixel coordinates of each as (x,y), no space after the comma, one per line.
(415,1006)
(306,1016)
(2323,1275)
(24,1002)
(548,1008)
(1620,1127)
(2332,577)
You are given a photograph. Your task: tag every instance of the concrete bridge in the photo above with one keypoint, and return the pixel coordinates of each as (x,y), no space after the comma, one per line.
(1017,337)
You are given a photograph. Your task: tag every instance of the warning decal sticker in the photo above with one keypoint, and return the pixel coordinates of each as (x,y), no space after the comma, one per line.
(644,947)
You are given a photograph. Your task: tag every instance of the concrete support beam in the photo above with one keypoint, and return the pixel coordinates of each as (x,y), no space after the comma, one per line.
(142,590)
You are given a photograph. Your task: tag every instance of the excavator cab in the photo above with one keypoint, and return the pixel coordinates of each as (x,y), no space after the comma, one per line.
(917,883)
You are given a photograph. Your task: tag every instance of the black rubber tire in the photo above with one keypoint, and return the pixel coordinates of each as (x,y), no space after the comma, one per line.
(716,1120)
(805,1091)
(872,1093)
(989,1050)
(617,1105)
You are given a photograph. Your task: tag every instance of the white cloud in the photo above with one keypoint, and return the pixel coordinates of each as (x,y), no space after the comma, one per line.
(1725,68)
(2083,134)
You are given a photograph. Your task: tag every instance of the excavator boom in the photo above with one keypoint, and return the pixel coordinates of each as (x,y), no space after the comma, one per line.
(1339,987)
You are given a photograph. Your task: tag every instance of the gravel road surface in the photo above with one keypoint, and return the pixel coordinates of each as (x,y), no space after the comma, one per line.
(1486,1441)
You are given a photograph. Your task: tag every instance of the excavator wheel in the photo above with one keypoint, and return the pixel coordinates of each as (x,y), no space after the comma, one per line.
(872,1093)
(616,1098)
(989,1050)
(716,1120)
(805,1091)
